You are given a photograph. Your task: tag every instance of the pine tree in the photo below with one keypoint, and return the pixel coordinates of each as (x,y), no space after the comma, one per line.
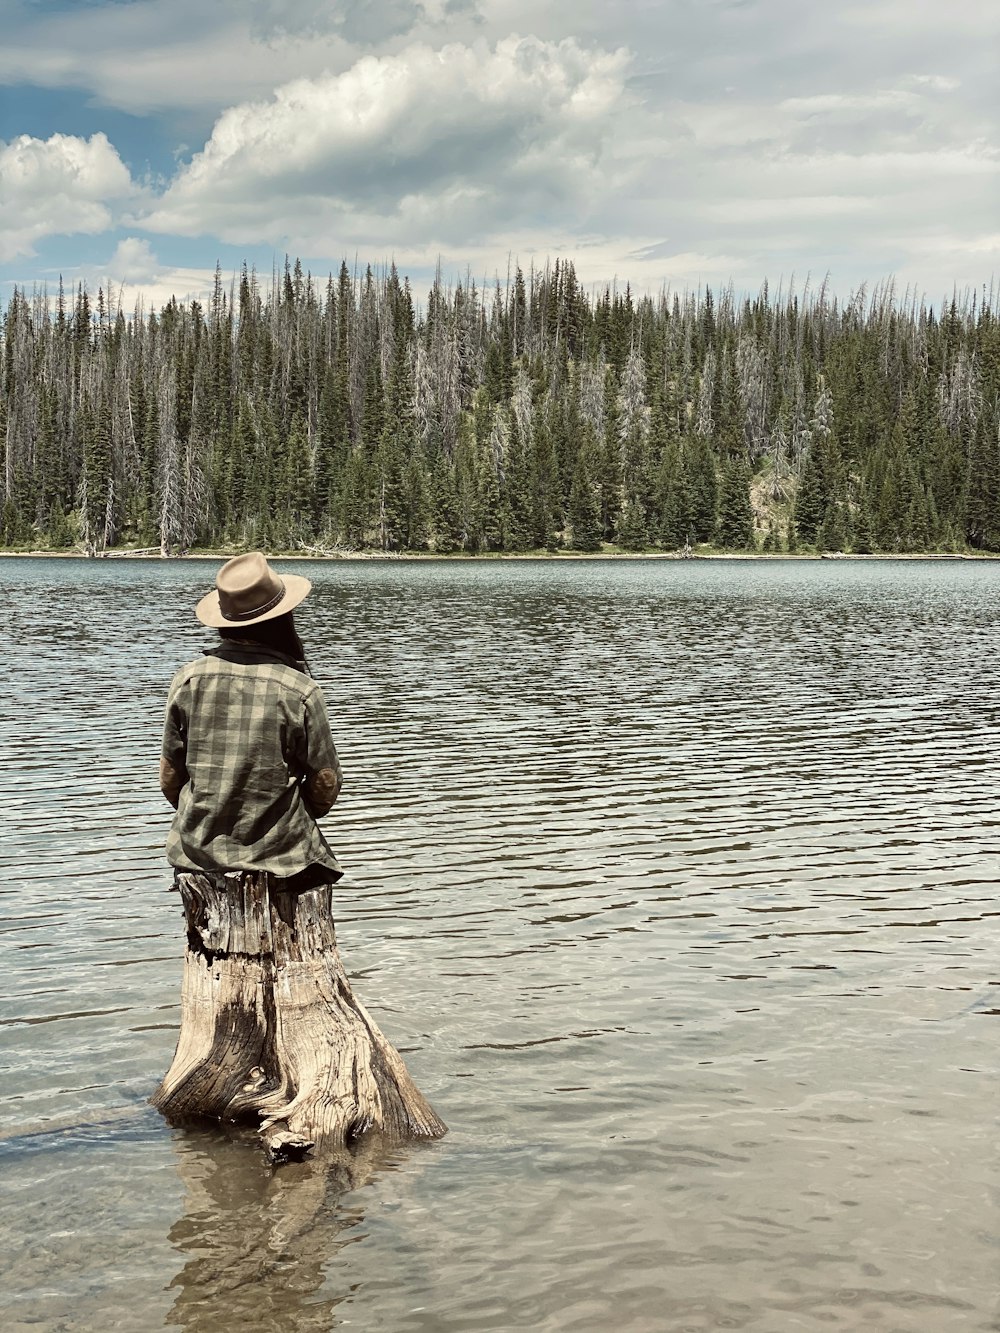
(15,530)
(516,495)
(584,509)
(863,543)
(390,491)
(448,532)
(489,503)
(982,504)
(812,497)
(545,516)
(354,504)
(609,475)
(332,441)
(703,483)
(631,533)
(211,424)
(831,535)
(295,504)
(98,507)
(735,513)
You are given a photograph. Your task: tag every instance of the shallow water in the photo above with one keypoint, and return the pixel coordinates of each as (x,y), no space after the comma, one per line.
(675,883)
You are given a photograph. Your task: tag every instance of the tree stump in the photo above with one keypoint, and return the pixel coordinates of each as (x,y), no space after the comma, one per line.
(271,1032)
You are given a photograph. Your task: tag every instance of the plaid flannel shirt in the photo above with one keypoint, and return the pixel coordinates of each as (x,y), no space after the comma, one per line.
(250,763)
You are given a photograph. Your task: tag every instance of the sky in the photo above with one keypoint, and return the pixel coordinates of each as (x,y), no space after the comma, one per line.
(663,143)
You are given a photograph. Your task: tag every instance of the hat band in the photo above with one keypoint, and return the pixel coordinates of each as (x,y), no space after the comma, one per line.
(257,610)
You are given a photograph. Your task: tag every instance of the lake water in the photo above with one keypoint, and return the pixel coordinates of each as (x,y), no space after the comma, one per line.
(674,882)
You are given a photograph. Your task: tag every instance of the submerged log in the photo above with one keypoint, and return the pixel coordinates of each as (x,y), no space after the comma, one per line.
(271,1032)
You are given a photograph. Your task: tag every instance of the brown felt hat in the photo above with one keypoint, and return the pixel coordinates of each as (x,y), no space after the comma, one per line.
(247,591)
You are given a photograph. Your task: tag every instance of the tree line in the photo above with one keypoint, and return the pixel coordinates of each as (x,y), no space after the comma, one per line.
(527,414)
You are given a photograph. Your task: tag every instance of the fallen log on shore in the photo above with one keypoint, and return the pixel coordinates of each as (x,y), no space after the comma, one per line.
(271,1031)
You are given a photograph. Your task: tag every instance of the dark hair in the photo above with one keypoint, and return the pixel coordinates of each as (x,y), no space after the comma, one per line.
(279,634)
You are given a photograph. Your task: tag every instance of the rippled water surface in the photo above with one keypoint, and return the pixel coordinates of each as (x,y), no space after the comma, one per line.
(675,883)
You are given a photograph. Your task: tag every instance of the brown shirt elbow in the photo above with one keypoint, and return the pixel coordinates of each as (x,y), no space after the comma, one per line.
(172,780)
(321,790)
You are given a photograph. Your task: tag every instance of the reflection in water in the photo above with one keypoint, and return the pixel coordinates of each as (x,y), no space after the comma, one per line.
(256,1240)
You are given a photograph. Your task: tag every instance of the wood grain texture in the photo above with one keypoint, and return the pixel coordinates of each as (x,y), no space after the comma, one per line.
(271,1031)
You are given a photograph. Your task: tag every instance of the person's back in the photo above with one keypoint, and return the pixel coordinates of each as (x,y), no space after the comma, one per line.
(248,759)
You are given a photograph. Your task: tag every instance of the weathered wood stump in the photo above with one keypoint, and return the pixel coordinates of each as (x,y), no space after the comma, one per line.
(271,1032)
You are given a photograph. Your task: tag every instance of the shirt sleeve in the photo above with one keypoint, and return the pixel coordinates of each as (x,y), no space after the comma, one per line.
(322,766)
(173,756)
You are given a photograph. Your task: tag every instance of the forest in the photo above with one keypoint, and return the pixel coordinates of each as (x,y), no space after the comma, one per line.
(528,414)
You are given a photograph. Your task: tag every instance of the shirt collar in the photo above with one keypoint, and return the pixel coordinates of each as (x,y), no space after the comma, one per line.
(247,653)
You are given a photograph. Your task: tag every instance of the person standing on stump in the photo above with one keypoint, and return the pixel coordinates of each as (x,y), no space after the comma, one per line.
(248,760)
(271,1031)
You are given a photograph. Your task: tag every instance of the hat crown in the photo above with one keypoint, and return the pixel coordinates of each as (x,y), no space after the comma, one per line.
(248,590)
(247,587)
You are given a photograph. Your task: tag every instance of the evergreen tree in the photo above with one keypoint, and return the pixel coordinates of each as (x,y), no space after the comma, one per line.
(584,509)
(294,414)
(674,501)
(703,485)
(332,439)
(98,499)
(354,504)
(863,538)
(295,504)
(812,497)
(610,477)
(631,533)
(390,483)
(489,504)
(449,534)
(545,505)
(735,513)
(832,534)
(982,504)
(516,497)
(14,527)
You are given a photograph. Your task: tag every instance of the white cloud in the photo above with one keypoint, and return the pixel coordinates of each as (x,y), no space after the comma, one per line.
(427,144)
(787,208)
(133,261)
(366,21)
(153,293)
(149,56)
(760,138)
(825,103)
(134,278)
(58,186)
(939,82)
(963,261)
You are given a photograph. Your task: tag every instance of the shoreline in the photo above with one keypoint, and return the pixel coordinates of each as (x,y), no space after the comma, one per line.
(462,556)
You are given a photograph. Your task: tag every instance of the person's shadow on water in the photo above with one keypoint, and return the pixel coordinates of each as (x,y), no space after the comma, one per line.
(258,1239)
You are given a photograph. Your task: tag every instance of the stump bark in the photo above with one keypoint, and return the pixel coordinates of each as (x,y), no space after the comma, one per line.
(271,1032)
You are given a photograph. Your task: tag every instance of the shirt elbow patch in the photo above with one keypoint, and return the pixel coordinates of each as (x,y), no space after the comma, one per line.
(171,780)
(322,788)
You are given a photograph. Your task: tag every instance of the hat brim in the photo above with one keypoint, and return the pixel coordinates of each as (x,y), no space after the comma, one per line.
(209,612)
